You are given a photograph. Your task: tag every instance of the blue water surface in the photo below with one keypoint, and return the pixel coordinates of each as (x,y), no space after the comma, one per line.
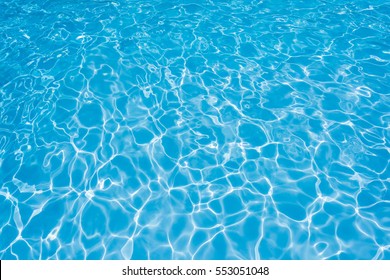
(205,129)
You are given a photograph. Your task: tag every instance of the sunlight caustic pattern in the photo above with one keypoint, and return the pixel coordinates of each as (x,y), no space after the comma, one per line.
(194,129)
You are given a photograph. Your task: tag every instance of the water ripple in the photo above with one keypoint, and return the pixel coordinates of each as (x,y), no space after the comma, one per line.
(194,129)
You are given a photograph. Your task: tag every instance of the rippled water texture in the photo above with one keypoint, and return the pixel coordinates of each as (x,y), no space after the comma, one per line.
(194,129)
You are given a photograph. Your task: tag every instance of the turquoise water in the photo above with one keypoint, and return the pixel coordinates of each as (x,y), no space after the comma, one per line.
(194,129)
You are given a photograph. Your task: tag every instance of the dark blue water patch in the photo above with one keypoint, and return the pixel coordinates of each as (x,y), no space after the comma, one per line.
(251,228)
(7,209)
(293,211)
(42,225)
(220,247)
(22,249)
(142,135)
(232,204)
(140,251)
(252,134)
(90,115)
(8,235)
(93,220)
(119,219)
(96,254)
(179,225)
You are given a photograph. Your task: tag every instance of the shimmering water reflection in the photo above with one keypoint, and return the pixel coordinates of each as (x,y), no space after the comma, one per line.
(194,129)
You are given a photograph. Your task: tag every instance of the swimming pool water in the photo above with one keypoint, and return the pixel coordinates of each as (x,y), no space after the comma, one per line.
(194,129)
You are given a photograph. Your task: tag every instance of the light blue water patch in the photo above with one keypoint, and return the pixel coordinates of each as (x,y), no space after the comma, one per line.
(194,129)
